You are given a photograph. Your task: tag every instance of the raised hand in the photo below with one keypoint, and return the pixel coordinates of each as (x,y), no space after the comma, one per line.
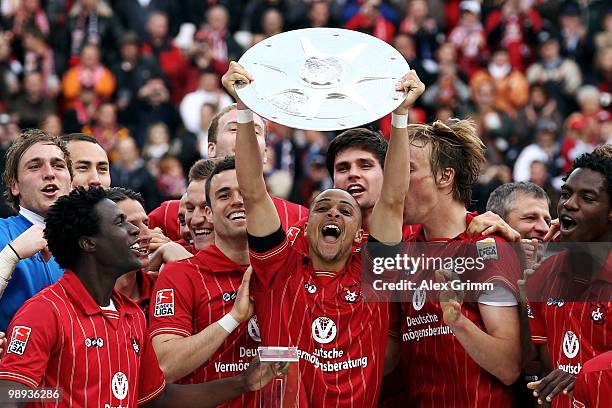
(413,87)
(243,306)
(235,75)
(30,242)
(551,385)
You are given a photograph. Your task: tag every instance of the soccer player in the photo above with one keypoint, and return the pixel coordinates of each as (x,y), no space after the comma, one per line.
(87,340)
(136,285)
(90,166)
(200,227)
(454,354)
(37,173)
(165,217)
(593,386)
(186,239)
(312,299)
(570,294)
(206,331)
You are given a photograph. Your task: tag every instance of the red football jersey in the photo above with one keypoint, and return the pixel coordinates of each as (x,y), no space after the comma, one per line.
(166,217)
(593,386)
(194,293)
(61,338)
(288,212)
(573,321)
(341,338)
(438,370)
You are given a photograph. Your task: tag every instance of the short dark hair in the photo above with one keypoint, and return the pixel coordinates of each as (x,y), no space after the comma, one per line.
(213,129)
(359,138)
(27,139)
(595,162)
(201,169)
(71,217)
(79,137)
(118,194)
(227,163)
(501,201)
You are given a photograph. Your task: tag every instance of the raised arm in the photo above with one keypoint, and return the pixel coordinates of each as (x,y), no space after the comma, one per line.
(387,215)
(262,218)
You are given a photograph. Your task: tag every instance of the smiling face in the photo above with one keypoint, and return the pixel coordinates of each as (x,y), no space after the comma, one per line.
(137,216)
(359,173)
(90,165)
(334,223)
(227,206)
(42,177)
(584,208)
(529,216)
(198,223)
(116,243)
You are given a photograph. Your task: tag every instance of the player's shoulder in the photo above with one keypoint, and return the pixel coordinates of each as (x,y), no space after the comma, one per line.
(11,228)
(602,362)
(44,304)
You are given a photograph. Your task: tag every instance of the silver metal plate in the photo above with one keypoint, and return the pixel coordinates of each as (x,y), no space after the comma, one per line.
(322,78)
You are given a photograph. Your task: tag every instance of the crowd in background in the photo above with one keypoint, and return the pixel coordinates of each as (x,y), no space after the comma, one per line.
(143,77)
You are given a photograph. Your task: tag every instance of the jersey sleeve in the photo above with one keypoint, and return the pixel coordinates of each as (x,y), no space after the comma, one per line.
(32,337)
(272,259)
(537,324)
(581,392)
(151,382)
(173,301)
(500,266)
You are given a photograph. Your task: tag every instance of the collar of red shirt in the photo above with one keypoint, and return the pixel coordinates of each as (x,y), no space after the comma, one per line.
(469,216)
(217,261)
(82,299)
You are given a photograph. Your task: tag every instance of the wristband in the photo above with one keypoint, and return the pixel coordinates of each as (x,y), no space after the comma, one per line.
(244,116)
(399,121)
(228,322)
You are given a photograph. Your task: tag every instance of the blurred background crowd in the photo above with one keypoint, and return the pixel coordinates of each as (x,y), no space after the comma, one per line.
(143,77)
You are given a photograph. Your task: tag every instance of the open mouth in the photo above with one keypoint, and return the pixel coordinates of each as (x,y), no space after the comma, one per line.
(237,216)
(49,189)
(567,223)
(139,249)
(355,189)
(202,232)
(330,233)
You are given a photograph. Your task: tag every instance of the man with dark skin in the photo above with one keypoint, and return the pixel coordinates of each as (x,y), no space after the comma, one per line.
(65,336)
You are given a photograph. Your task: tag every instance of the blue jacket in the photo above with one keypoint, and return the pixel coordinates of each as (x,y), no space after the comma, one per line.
(29,276)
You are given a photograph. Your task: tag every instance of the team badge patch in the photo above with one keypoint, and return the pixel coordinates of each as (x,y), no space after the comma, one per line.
(135,346)
(19,340)
(164,303)
(350,294)
(598,313)
(578,404)
(292,234)
(487,248)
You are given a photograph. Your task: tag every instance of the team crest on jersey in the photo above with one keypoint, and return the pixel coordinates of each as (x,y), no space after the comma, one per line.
(598,313)
(530,312)
(324,330)
(571,344)
(164,303)
(135,345)
(578,404)
(312,289)
(292,234)
(253,329)
(487,248)
(418,299)
(119,385)
(350,294)
(227,296)
(19,340)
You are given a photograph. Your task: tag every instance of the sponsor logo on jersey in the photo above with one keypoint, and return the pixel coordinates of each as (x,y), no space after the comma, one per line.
(94,342)
(530,312)
(310,288)
(324,330)
(418,299)
(487,248)
(19,339)
(571,344)
(135,345)
(558,302)
(350,294)
(227,296)
(598,313)
(119,385)
(164,303)
(253,329)
(292,234)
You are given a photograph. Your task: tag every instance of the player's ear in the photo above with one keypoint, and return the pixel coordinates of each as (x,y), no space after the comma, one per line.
(208,212)
(212,150)
(358,236)
(87,244)
(446,177)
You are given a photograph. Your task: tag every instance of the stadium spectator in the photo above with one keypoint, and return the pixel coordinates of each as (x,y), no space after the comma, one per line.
(88,73)
(208,91)
(105,129)
(39,57)
(32,106)
(370,20)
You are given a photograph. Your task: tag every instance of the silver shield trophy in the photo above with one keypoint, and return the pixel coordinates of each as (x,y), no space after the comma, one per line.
(322,78)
